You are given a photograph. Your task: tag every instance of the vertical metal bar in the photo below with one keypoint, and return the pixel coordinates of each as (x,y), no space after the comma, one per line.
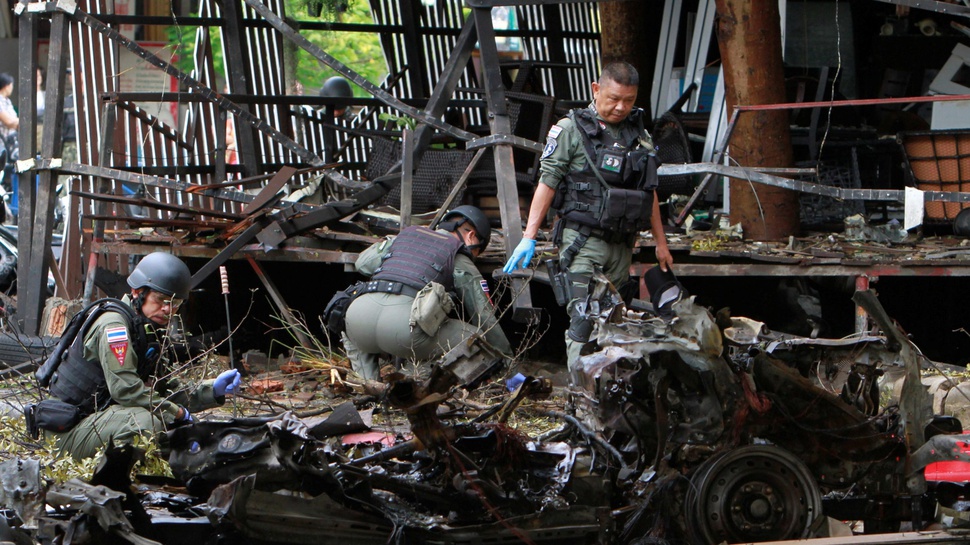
(507,190)
(700,43)
(666,47)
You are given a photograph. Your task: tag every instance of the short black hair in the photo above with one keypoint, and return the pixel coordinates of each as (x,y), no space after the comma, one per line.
(621,72)
(5,79)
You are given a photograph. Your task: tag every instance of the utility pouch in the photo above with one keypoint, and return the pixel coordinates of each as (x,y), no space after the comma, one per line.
(52,415)
(626,210)
(335,313)
(430,308)
(649,179)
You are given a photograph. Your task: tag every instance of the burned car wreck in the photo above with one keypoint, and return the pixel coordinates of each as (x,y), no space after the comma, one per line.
(680,428)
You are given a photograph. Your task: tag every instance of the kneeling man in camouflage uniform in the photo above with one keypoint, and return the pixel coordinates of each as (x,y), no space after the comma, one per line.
(403,311)
(112,371)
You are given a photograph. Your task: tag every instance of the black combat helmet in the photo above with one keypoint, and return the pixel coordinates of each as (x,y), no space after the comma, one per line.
(164,273)
(483,228)
(336,87)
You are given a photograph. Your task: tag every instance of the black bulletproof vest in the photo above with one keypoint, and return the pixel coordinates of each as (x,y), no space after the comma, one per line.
(612,157)
(420,256)
(81,382)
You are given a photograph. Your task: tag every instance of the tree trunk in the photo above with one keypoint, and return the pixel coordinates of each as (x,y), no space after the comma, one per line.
(749,38)
(624,39)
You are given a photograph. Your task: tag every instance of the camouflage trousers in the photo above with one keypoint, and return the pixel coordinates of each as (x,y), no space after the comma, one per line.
(116,423)
(614,258)
(378,324)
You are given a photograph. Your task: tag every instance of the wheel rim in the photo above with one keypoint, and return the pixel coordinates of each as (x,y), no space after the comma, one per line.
(753,493)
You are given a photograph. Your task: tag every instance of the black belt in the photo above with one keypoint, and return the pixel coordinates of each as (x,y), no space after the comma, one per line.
(388,286)
(612,237)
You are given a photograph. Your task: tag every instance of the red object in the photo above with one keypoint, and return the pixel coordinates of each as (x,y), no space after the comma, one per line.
(950,471)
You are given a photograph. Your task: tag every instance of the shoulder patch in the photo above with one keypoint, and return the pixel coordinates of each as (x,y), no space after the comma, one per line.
(549,149)
(119,350)
(116,335)
(485,290)
(551,142)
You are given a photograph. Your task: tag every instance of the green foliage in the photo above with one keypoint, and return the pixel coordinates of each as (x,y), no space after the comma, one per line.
(401,122)
(327,9)
(59,467)
(55,466)
(359,51)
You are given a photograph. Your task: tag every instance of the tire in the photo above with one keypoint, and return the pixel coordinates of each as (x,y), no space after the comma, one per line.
(19,349)
(749,494)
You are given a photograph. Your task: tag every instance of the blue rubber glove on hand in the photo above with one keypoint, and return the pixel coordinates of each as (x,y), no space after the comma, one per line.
(521,256)
(226,383)
(186,417)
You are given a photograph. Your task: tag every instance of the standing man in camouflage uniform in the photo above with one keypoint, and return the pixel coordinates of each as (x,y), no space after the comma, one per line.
(601,205)
(113,371)
(385,319)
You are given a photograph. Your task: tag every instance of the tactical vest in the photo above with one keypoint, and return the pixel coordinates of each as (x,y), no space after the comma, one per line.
(81,382)
(623,205)
(420,256)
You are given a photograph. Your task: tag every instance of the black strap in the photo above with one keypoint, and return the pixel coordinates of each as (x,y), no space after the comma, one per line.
(589,152)
(567,256)
(387,286)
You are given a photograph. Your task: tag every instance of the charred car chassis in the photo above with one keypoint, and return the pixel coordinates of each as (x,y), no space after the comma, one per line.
(687,428)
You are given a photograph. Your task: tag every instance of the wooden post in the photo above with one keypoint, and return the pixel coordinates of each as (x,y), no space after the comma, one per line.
(627,39)
(749,37)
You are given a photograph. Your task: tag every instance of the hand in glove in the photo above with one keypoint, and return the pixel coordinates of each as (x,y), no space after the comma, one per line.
(226,383)
(521,256)
(183,417)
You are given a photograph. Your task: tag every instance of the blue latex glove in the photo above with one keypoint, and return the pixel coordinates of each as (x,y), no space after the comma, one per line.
(514,382)
(226,383)
(186,417)
(521,256)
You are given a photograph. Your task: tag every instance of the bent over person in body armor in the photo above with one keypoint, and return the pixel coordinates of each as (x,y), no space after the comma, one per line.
(403,310)
(112,372)
(599,171)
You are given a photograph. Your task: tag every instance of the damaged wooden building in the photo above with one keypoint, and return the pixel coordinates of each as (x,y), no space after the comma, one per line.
(208,152)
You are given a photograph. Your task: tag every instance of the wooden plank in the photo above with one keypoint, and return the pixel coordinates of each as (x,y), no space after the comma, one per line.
(32,290)
(808,268)
(269,192)
(28,55)
(102,185)
(407,177)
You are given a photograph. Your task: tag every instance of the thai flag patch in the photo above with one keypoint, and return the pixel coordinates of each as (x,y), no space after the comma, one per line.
(116,335)
(484,286)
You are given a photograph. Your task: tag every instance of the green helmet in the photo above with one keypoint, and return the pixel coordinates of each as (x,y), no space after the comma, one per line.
(164,273)
(483,227)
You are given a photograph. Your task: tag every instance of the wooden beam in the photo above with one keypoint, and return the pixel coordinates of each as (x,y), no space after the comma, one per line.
(33,288)
(507,189)
(25,194)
